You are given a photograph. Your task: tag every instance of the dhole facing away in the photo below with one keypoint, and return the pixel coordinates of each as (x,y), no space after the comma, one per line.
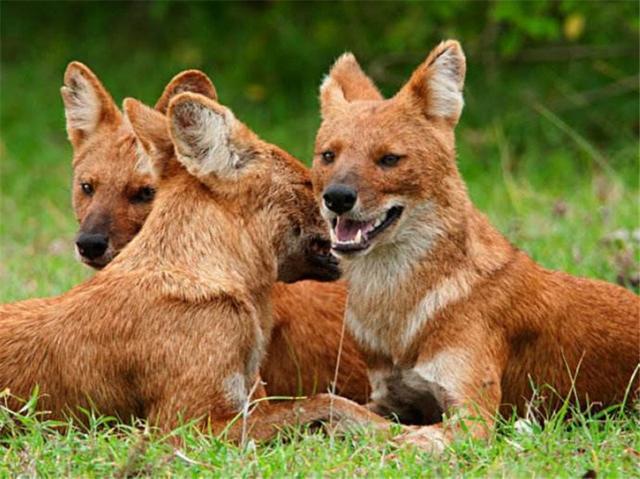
(452,318)
(177,325)
(112,197)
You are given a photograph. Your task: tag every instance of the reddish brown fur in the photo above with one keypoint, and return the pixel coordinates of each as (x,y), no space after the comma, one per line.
(177,324)
(468,319)
(306,343)
(308,316)
(102,159)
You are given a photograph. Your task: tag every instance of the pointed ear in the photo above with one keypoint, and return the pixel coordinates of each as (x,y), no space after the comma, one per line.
(436,85)
(203,134)
(193,81)
(150,128)
(87,104)
(346,82)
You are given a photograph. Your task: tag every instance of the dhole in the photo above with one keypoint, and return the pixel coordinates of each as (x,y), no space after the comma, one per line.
(452,318)
(112,197)
(177,325)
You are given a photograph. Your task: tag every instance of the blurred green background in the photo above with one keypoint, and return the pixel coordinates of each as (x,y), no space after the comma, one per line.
(548,140)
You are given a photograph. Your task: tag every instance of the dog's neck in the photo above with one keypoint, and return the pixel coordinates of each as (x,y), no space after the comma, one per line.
(436,258)
(196,248)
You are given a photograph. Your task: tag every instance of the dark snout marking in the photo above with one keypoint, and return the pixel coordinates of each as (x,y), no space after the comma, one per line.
(340,198)
(92,245)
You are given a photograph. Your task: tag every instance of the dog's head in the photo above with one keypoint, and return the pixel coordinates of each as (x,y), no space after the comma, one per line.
(383,166)
(268,191)
(112,195)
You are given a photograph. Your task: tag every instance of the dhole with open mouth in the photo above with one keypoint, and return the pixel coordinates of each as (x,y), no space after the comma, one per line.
(112,196)
(454,320)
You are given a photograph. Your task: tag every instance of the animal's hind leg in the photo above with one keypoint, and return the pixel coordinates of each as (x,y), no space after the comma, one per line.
(269,418)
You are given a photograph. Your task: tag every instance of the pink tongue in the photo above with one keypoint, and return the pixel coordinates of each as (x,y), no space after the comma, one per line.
(346,230)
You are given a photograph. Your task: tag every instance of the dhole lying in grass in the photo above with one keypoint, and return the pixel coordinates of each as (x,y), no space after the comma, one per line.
(112,197)
(452,318)
(177,325)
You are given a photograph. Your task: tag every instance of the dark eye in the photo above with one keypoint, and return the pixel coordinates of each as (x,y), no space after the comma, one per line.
(143,195)
(87,188)
(389,160)
(328,156)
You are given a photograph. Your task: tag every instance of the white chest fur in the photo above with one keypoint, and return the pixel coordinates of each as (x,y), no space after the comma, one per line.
(381,323)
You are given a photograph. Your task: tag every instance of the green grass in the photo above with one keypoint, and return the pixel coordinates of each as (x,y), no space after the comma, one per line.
(549,152)
(608,444)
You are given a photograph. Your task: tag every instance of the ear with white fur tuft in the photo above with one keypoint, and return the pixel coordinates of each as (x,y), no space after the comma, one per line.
(87,104)
(202,132)
(193,81)
(150,128)
(436,85)
(346,82)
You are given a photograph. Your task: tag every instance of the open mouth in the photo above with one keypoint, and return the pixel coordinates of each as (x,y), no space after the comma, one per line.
(348,236)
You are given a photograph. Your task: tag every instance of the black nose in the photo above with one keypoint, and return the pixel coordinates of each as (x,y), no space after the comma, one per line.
(92,246)
(340,198)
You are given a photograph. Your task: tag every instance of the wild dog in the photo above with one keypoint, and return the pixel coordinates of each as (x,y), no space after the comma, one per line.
(177,325)
(112,197)
(453,319)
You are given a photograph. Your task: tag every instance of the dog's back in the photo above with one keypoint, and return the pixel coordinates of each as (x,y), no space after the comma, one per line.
(112,196)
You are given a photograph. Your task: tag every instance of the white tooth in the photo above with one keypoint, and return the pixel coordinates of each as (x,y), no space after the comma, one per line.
(333,236)
(377,223)
(358,237)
